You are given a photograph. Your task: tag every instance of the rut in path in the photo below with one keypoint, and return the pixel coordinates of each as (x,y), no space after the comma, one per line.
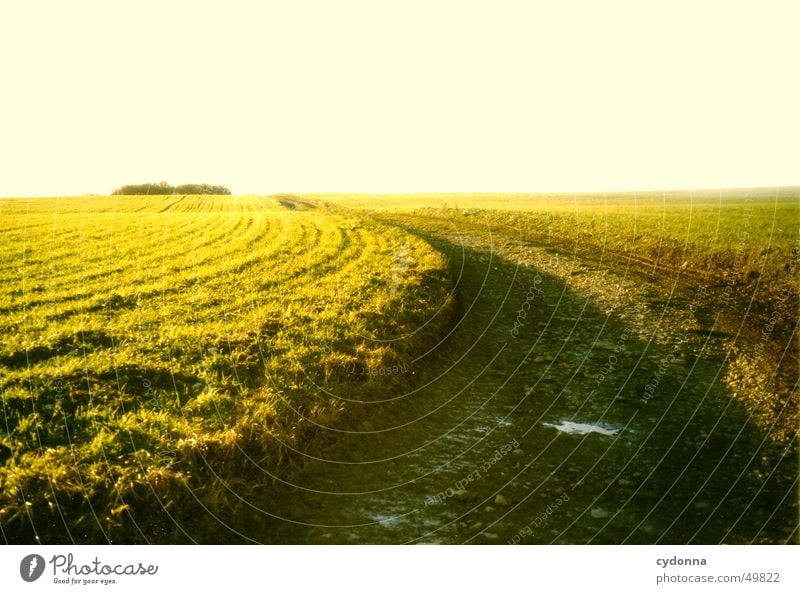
(471,452)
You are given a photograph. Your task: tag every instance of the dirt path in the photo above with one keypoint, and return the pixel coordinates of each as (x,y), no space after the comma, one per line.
(473,452)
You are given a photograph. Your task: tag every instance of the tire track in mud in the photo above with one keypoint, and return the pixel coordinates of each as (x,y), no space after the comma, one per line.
(571,403)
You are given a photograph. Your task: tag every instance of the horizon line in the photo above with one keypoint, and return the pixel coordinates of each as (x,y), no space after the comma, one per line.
(720,189)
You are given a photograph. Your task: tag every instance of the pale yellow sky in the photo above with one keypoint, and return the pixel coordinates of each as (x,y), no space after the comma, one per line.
(352,96)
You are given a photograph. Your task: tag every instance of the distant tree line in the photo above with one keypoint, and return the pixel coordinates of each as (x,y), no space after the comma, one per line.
(165,188)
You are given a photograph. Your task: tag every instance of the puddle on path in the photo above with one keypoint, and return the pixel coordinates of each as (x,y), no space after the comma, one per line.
(572,428)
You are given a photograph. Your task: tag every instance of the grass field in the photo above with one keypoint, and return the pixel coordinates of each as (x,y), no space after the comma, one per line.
(748,236)
(158,350)
(166,359)
(740,248)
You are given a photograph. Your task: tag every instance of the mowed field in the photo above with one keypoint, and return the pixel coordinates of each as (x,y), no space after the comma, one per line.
(163,357)
(170,364)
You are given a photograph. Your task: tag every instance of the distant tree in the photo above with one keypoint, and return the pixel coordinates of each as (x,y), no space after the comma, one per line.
(142,189)
(201,189)
(163,187)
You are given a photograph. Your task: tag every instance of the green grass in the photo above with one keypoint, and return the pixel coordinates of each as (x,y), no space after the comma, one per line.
(163,357)
(749,238)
